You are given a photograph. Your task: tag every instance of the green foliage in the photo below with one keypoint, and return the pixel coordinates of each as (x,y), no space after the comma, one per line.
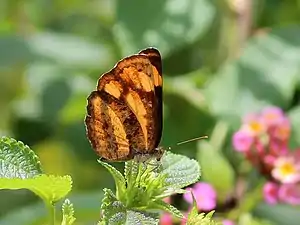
(194,218)
(22,170)
(144,185)
(48,187)
(17,160)
(68,213)
(212,149)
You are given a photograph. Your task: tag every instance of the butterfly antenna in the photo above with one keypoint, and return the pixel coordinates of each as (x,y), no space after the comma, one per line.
(190,140)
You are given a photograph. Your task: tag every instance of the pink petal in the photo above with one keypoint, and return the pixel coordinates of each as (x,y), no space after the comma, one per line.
(228,222)
(242,141)
(166,219)
(290,193)
(204,194)
(272,115)
(270,191)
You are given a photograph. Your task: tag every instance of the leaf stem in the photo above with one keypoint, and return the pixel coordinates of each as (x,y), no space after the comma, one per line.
(51,211)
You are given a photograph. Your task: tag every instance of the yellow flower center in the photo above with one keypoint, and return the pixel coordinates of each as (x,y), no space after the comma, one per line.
(256,127)
(287,169)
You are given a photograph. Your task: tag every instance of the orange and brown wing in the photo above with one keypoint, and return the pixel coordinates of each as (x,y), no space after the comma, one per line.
(105,129)
(155,59)
(124,114)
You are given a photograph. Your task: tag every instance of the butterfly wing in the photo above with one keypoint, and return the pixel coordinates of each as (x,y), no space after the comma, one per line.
(125,114)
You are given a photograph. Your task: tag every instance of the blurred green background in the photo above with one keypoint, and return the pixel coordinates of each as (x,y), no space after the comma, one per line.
(221,59)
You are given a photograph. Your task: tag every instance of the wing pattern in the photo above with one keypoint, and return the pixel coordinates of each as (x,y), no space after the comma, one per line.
(124,114)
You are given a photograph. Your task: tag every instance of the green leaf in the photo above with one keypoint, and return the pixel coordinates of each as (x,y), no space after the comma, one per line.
(118,177)
(48,187)
(17,160)
(61,49)
(294,116)
(68,213)
(266,73)
(134,217)
(160,204)
(113,211)
(87,210)
(14,51)
(175,23)
(248,219)
(218,171)
(180,171)
(55,96)
(200,219)
(278,214)
(146,184)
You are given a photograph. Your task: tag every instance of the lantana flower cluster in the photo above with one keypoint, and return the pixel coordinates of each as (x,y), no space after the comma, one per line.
(263,139)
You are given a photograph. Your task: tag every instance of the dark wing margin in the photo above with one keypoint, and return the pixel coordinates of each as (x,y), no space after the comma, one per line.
(155,59)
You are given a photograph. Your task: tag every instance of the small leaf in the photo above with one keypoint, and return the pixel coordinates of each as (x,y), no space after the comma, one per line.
(114,212)
(131,171)
(48,187)
(202,219)
(17,160)
(118,177)
(68,213)
(159,204)
(180,170)
(134,217)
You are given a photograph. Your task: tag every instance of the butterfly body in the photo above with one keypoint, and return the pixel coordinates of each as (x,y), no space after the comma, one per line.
(124,114)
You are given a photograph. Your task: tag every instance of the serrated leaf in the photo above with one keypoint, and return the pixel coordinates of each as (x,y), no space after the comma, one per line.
(118,177)
(131,171)
(202,219)
(17,160)
(68,213)
(180,170)
(134,217)
(114,212)
(159,204)
(48,187)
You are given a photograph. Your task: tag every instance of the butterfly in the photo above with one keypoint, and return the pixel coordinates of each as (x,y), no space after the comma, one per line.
(124,113)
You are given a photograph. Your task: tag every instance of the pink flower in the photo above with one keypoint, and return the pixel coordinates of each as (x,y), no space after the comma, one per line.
(283,129)
(270,191)
(254,124)
(227,222)
(290,193)
(242,141)
(204,194)
(166,219)
(286,169)
(272,115)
